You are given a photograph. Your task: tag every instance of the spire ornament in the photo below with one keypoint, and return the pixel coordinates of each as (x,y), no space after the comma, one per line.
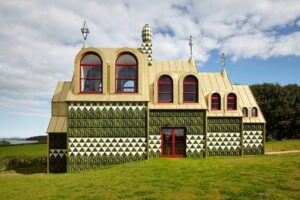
(85,31)
(223,60)
(191,45)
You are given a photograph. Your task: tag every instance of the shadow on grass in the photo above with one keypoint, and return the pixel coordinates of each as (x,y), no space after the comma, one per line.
(24,164)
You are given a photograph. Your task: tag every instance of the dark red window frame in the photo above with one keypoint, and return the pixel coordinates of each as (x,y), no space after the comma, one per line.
(120,65)
(91,79)
(193,83)
(215,101)
(173,145)
(231,101)
(169,92)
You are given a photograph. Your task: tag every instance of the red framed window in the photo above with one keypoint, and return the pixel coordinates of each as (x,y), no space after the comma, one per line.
(173,142)
(254,112)
(231,101)
(245,112)
(126,74)
(190,89)
(215,101)
(91,74)
(165,89)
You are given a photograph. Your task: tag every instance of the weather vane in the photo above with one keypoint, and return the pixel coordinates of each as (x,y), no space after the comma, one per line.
(223,59)
(191,44)
(85,30)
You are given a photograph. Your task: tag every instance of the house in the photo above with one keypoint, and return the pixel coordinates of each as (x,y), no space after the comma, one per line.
(122,106)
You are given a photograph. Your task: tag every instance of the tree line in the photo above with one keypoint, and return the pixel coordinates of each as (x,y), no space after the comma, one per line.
(280,106)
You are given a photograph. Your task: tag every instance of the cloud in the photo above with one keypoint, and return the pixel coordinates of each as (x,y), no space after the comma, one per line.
(40,39)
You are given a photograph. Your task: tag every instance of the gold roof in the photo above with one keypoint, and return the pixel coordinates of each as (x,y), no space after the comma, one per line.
(247,100)
(209,83)
(58,121)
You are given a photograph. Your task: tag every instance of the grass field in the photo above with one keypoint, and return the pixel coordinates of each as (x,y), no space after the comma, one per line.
(284,145)
(28,149)
(248,177)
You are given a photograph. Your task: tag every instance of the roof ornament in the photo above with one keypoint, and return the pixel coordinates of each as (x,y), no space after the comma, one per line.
(223,60)
(85,31)
(191,45)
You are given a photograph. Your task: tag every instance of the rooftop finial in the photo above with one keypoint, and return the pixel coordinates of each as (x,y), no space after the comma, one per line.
(191,44)
(223,60)
(85,31)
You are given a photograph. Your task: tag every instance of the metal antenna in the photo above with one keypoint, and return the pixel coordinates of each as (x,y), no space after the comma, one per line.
(85,30)
(223,60)
(191,44)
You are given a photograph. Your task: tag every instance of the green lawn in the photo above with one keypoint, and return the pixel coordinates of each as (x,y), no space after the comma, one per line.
(28,149)
(247,177)
(284,145)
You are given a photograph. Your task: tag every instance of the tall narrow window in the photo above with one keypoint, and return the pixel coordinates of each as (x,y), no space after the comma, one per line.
(190,89)
(126,74)
(165,89)
(91,74)
(254,112)
(231,101)
(245,112)
(215,101)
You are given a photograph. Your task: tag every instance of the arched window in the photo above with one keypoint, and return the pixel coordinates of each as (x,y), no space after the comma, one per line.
(190,89)
(165,89)
(245,112)
(215,101)
(126,74)
(91,74)
(254,112)
(231,101)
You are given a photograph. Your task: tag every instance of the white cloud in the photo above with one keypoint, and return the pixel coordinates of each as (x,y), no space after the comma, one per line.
(39,39)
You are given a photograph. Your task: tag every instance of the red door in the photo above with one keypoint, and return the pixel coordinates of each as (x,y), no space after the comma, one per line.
(173,142)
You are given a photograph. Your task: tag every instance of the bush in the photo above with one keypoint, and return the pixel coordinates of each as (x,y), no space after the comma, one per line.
(4,143)
(24,163)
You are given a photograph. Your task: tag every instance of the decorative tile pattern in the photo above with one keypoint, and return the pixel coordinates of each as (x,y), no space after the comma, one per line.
(109,146)
(224,124)
(155,144)
(195,143)
(223,141)
(252,139)
(106,106)
(147,43)
(57,153)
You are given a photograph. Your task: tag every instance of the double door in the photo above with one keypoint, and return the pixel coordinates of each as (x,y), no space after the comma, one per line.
(173,142)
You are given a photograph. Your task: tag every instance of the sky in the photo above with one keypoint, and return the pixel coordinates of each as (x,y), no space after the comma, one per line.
(39,41)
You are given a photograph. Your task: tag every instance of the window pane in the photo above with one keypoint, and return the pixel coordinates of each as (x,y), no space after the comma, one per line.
(126,73)
(190,88)
(179,141)
(167,141)
(165,88)
(96,72)
(190,79)
(126,85)
(254,112)
(96,86)
(91,59)
(231,106)
(165,79)
(126,59)
(215,106)
(165,97)
(86,72)
(190,97)
(85,85)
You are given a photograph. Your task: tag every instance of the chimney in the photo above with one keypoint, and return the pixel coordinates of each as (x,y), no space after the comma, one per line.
(147,43)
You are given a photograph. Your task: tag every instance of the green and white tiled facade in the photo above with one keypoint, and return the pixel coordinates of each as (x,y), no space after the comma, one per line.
(102,134)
